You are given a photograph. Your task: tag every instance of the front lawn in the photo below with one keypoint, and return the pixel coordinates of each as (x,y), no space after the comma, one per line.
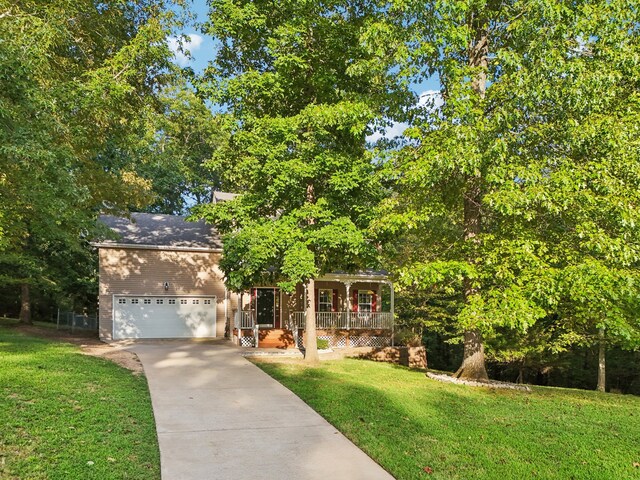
(407,422)
(65,415)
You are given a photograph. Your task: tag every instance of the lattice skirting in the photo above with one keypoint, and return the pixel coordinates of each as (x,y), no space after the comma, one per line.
(340,341)
(366,341)
(335,341)
(247,342)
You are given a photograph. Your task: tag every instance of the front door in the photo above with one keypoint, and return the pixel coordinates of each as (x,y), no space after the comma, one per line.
(267,307)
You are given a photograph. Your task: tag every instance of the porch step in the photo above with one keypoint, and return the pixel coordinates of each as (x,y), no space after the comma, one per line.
(276,338)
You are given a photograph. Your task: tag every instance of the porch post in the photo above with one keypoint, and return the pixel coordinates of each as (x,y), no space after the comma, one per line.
(348,287)
(241,316)
(227,320)
(304,299)
(393,318)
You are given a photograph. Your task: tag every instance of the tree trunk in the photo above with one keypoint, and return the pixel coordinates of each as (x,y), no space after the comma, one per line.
(25,305)
(601,361)
(473,365)
(311,343)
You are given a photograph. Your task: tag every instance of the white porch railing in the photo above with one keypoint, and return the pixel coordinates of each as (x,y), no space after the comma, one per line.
(347,320)
(243,319)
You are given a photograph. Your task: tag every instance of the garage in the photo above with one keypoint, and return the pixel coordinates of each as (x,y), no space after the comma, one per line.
(164,316)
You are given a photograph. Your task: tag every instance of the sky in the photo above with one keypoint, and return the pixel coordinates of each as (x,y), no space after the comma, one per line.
(202,49)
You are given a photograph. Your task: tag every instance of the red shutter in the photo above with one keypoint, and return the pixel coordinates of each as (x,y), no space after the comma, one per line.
(316,299)
(335,301)
(374,300)
(354,303)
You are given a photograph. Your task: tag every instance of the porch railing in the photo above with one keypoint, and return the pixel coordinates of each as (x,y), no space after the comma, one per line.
(243,319)
(346,320)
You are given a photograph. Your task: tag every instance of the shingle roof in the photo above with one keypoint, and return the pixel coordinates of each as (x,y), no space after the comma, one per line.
(153,229)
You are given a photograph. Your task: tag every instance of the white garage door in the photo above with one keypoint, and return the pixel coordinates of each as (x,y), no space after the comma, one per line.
(164,317)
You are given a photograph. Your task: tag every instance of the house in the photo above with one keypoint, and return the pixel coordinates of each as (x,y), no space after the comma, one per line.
(161,279)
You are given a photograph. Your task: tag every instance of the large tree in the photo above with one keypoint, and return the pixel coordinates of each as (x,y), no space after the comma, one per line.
(302,90)
(525,182)
(74,76)
(169,146)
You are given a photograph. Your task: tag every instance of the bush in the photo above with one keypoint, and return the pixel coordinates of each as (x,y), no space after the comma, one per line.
(322,343)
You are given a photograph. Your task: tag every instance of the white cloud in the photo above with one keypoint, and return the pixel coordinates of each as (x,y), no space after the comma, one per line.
(179,47)
(430,97)
(394,130)
(427,98)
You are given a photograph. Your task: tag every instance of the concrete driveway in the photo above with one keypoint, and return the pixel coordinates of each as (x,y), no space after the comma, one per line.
(218,416)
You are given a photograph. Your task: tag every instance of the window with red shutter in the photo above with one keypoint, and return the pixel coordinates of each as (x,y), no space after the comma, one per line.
(365,301)
(324,300)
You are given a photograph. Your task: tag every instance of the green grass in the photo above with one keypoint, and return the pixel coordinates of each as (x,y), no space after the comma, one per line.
(406,422)
(65,415)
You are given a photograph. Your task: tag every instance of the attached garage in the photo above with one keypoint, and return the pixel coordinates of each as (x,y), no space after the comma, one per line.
(183,316)
(160,277)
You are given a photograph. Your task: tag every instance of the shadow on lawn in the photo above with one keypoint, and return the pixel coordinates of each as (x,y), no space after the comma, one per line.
(407,422)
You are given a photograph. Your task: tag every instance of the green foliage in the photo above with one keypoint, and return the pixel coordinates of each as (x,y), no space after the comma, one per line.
(300,106)
(74,77)
(548,154)
(169,146)
(323,343)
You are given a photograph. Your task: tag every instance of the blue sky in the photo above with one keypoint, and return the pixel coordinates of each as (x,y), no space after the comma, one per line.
(202,49)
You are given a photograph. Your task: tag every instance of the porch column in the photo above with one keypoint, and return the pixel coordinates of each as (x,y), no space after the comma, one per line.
(348,287)
(240,316)
(304,297)
(228,328)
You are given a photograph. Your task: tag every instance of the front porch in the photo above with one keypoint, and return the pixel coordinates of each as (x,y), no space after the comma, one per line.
(351,311)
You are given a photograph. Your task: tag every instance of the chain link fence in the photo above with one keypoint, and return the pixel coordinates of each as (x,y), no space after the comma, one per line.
(73,322)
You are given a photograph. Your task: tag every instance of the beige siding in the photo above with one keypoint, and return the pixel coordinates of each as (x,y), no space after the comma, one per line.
(143,272)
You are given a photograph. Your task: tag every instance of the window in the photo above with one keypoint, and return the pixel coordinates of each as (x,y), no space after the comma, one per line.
(122,300)
(159,301)
(195,302)
(325,300)
(134,301)
(365,301)
(183,302)
(207,302)
(147,301)
(172,301)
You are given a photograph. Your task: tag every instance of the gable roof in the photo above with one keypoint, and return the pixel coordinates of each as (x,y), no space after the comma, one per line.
(158,230)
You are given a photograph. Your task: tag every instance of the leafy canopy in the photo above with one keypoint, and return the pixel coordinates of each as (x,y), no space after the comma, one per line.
(301,99)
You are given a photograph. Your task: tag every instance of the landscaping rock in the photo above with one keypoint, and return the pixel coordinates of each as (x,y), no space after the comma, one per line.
(490,384)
